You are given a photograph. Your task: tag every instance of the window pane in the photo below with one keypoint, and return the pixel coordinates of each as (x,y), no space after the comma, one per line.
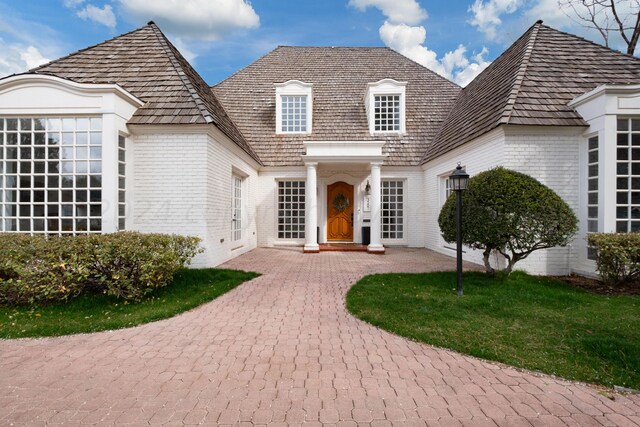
(291,214)
(31,162)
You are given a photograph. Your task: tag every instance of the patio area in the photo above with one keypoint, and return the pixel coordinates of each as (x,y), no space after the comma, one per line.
(282,349)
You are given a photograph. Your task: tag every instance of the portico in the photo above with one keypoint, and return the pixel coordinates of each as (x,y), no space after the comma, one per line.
(361,206)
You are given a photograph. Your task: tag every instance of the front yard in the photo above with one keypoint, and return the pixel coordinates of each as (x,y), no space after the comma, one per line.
(94,312)
(529,322)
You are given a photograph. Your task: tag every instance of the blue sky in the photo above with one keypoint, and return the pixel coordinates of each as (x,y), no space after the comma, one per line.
(456,38)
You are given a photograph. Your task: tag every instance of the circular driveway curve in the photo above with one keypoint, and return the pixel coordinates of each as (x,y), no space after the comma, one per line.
(282,349)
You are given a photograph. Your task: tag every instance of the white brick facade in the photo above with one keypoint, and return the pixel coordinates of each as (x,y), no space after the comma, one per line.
(182,185)
(552,156)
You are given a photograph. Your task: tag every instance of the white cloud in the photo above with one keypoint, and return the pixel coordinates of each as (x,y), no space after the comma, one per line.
(469,71)
(410,42)
(396,11)
(73,3)
(487,14)
(185,50)
(102,16)
(549,11)
(17,58)
(32,57)
(194,19)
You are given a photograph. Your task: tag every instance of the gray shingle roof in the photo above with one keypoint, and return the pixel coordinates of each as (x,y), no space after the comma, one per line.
(339,77)
(148,66)
(531,83)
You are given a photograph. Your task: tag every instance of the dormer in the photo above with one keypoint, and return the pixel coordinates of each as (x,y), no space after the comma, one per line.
(294,107)
(385,106)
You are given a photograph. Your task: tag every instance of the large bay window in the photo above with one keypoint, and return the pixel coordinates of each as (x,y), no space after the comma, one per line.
(294,107)
(628,175)
(291,209)
(392,209)
(51,175)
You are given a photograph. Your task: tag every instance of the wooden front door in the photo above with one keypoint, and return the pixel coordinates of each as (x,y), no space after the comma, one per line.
(340,211)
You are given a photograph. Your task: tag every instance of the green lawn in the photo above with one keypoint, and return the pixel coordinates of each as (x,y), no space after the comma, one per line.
(92,313)
(525,321)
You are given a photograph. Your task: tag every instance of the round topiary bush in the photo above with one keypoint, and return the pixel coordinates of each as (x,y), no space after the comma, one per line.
(509,212)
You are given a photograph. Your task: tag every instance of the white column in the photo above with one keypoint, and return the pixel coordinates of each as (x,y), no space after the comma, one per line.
(311,201)
(375,245)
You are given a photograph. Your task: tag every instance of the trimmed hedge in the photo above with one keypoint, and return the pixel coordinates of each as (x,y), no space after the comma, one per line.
(618,259)
(38,269)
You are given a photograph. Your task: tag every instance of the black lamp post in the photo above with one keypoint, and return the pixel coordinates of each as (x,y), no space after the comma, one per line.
(459,180)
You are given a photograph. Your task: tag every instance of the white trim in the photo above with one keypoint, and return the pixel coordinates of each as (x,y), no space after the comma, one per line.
(34,95)
(604,90)
(294,88)
(385,87)
(343,151)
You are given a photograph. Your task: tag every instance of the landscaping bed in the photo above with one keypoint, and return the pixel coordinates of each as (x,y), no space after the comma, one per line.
(530,322)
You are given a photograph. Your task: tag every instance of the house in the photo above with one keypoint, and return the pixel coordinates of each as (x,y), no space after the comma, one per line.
(310,145)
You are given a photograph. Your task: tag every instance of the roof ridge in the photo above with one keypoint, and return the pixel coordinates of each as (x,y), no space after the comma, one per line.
(522,71)
(235,73)
(164,42)
(35,69)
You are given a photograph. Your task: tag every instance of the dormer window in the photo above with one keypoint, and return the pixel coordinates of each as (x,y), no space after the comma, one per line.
(385,106)
(294,106)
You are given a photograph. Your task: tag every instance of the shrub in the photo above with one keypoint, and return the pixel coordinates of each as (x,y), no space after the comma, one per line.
(39,269)
(618,256)
(129,265)
(34,270)
(509,212)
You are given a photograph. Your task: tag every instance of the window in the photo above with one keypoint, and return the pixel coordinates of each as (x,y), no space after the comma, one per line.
(294,113)
(236,228)
(51,175)
(122,183)
(592,191)
(386,113)
(291,209)
(628,176)
(293,107)
(448,189)
(385,106)
(392,209)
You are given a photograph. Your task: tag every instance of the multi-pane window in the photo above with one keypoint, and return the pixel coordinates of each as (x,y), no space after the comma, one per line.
(291,209)
(392,212)
(122,183)
(51,175)
(386,113)
(236,228)
(628,176)
(592,191)
(294,113)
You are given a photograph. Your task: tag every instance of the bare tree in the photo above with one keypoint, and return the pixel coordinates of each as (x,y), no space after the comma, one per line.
(608,17)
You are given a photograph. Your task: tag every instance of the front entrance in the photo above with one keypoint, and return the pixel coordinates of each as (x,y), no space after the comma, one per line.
(340,212)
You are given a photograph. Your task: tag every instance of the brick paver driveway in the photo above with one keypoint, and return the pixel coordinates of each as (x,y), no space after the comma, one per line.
(282,349)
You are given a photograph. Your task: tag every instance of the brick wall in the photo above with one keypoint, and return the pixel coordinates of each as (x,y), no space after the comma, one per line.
(484,153)
(554,161)
(549,155)
(182,185)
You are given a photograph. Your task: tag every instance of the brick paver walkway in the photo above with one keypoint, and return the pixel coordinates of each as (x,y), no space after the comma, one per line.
(281,349)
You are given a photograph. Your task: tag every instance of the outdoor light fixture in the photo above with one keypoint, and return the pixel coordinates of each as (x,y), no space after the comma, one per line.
(367,188)
(459,181)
